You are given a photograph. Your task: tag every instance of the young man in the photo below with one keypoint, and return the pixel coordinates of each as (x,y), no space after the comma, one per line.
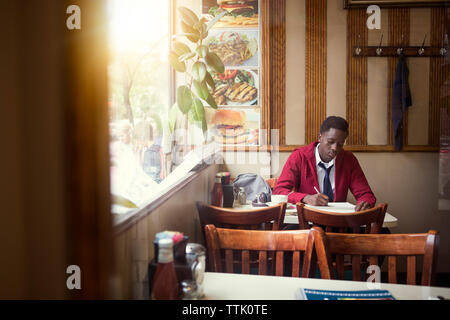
(324,172)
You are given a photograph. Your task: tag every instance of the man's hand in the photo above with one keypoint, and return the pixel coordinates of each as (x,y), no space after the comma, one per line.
(362,206)
(318,199)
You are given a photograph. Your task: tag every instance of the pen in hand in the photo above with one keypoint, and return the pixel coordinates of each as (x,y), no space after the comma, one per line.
(320,193)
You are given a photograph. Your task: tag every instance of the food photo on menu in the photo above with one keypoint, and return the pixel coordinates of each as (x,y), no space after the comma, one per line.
(235,126)
(236,87)
(240,13)
(235,48)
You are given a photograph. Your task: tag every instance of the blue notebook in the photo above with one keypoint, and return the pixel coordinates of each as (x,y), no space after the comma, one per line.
(313,294)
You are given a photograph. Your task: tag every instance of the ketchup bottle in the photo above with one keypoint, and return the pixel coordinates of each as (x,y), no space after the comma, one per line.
(217,193)
(165,283)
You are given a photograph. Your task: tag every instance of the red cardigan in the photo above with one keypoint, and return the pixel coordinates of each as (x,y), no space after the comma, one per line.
(299,174)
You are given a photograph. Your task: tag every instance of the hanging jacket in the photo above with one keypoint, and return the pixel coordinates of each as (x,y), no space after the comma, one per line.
(401,100)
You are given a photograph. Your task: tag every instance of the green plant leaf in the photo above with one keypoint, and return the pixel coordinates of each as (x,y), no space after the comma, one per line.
(211,101)
(202,29)
(177,65)
(198,110)
(184,98)
(210,81)
(188,16)
(186,56)
(199,71)
(202,51)
(200,90)
(196,115)
(214,62)
(180,48)
(173,115)
(204,126)
(192,34)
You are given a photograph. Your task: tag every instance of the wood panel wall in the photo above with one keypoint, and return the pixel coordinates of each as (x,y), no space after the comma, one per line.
(316,67)
(357,84)
(278,76)
(439,73)
(356,78)
(266,71)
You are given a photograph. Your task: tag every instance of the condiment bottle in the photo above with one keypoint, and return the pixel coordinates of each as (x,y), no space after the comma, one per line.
(217,193)
(165,282)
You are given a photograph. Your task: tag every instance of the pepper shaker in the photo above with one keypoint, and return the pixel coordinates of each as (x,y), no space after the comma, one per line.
(242,196)
(198,252)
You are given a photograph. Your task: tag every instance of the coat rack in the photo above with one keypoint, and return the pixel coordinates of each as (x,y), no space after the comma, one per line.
(407,51)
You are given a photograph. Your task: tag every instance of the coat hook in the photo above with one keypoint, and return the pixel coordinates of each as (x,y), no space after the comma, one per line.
(400,50)
(443,50)
(379,50)
(422,49)
(358,49)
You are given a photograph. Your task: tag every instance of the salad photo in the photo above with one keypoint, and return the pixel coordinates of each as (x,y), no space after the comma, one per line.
(236,87)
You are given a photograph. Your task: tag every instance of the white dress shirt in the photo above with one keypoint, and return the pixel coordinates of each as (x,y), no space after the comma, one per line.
(321,172)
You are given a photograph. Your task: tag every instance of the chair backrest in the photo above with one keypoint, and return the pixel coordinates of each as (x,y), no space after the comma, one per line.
(265,218)
(410,245)
(372,219)
(231,249)
(272,182)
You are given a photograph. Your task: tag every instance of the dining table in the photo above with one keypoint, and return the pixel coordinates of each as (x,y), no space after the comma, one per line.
(291,217)
(232,286)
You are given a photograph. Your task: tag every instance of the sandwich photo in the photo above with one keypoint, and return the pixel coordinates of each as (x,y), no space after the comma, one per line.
(239,13)
(235,48)
(235,8)
(230,126)
(235,87)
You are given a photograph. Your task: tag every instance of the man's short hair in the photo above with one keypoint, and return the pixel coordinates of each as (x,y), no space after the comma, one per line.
(334,122)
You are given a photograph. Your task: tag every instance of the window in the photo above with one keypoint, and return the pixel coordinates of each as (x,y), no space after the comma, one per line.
(144,150)
(139,87)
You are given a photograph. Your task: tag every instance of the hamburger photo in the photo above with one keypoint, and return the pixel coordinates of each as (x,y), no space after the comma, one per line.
(239,13)
(237,8)
(230,126)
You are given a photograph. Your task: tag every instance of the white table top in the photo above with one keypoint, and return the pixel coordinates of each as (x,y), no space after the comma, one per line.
(345,207)
(230,286)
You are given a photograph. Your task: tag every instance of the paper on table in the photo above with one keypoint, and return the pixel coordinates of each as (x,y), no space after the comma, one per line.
(335,207)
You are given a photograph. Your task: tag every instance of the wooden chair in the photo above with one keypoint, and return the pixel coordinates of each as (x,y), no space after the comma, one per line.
(264,218)
(223,243)
(371,220)
(374,245)
(368,221)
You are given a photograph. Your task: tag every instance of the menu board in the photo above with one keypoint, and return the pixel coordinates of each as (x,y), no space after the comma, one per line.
(236,39)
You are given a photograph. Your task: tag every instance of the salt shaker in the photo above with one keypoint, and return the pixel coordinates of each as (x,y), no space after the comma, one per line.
(199,265)
(242,196)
